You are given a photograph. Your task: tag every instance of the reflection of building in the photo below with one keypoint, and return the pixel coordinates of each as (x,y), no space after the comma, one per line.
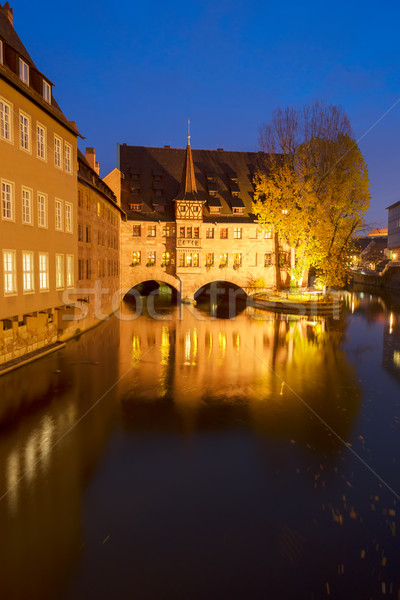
(391,345)
(186,368)
(190,220)
(38,200)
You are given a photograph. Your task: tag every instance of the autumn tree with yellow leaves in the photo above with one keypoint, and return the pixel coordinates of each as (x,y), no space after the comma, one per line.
(312,188)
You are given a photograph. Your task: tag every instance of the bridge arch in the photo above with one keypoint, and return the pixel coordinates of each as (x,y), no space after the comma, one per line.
(132,280)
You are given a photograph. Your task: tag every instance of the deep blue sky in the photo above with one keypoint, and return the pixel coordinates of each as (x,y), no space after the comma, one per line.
(135,72)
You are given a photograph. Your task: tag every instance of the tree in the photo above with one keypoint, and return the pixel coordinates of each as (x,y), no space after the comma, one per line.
(312,188)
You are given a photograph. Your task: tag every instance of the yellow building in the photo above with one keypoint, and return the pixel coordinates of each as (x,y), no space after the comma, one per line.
(38,179)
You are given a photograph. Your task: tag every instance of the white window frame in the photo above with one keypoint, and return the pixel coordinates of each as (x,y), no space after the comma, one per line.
(24,132)
(68,217)
(44,271)
(59,271)
(67,157)
(28,274)
(41,144)
(69,270)
(10,275)
(23,71)
(7,202)
(6,120)
(42,222)
(237,233)
(58,215)
(46,91)
(57,152)
(26,202)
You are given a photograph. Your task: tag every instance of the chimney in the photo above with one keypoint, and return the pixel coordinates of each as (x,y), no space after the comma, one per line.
(7,11)
(90,156)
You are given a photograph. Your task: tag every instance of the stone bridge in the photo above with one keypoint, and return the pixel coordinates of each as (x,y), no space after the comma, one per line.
(187,282)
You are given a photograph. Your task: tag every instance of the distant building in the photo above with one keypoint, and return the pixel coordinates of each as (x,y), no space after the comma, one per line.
(190,219)
(377,233)
(394,231)
(38,224)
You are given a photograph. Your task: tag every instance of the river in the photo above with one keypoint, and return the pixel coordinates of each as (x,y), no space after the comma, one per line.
(194,456)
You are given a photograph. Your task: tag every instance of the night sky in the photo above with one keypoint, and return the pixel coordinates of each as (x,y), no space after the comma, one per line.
(135,72)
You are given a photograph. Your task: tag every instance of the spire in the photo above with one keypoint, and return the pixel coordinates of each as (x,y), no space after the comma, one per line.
(188,186)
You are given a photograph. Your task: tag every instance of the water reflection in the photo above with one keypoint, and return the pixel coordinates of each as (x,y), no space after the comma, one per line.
(247,365)
(204,465)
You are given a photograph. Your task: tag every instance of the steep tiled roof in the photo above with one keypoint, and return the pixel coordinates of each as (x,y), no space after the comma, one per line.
(153,176)
(14,49)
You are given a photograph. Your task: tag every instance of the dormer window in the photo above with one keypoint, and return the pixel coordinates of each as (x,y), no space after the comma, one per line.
(213,193)
(23,71)
(215,209)
(235,194)
(46,91)
(238,210)
(158,193)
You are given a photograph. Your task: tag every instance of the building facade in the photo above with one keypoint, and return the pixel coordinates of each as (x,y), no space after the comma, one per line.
(394,231)
(38,222)
(190,220)
(99,217)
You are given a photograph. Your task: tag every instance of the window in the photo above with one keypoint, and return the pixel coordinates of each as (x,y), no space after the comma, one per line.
(136,258)
(57,151)
(70,270)
(223,233)
(188,261)
(1,52)
(223,260)
(268,234)
(237,233)
(135,206)
(188,232)
(210,233)
(26,206)
(27,271)
(81,269)
(210,260)
(24,129)
(44,271)
(7,201)
(267,259)
(165,231)
(158,193)
(237,260)
(215,209)
(196,232)
(135,191)
(151,259)
(5,121)
(67,157)
(80,198)
(23,71)
(166,259)
(41,142)
(59,215)
(88,236)
(10,274)
(213,194)
(181,260)
(151,231)
(181,232)
(46,91)
(238,210)
(59,271)
(195,260)
(136,231)
(42,210)
(284,261)
(68,217)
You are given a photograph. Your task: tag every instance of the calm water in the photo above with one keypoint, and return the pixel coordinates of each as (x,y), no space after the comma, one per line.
(198,457)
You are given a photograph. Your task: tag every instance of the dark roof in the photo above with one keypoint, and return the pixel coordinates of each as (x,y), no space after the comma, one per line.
(171,163)
(393,205)
(188,189)
(88,176)
(14,49)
